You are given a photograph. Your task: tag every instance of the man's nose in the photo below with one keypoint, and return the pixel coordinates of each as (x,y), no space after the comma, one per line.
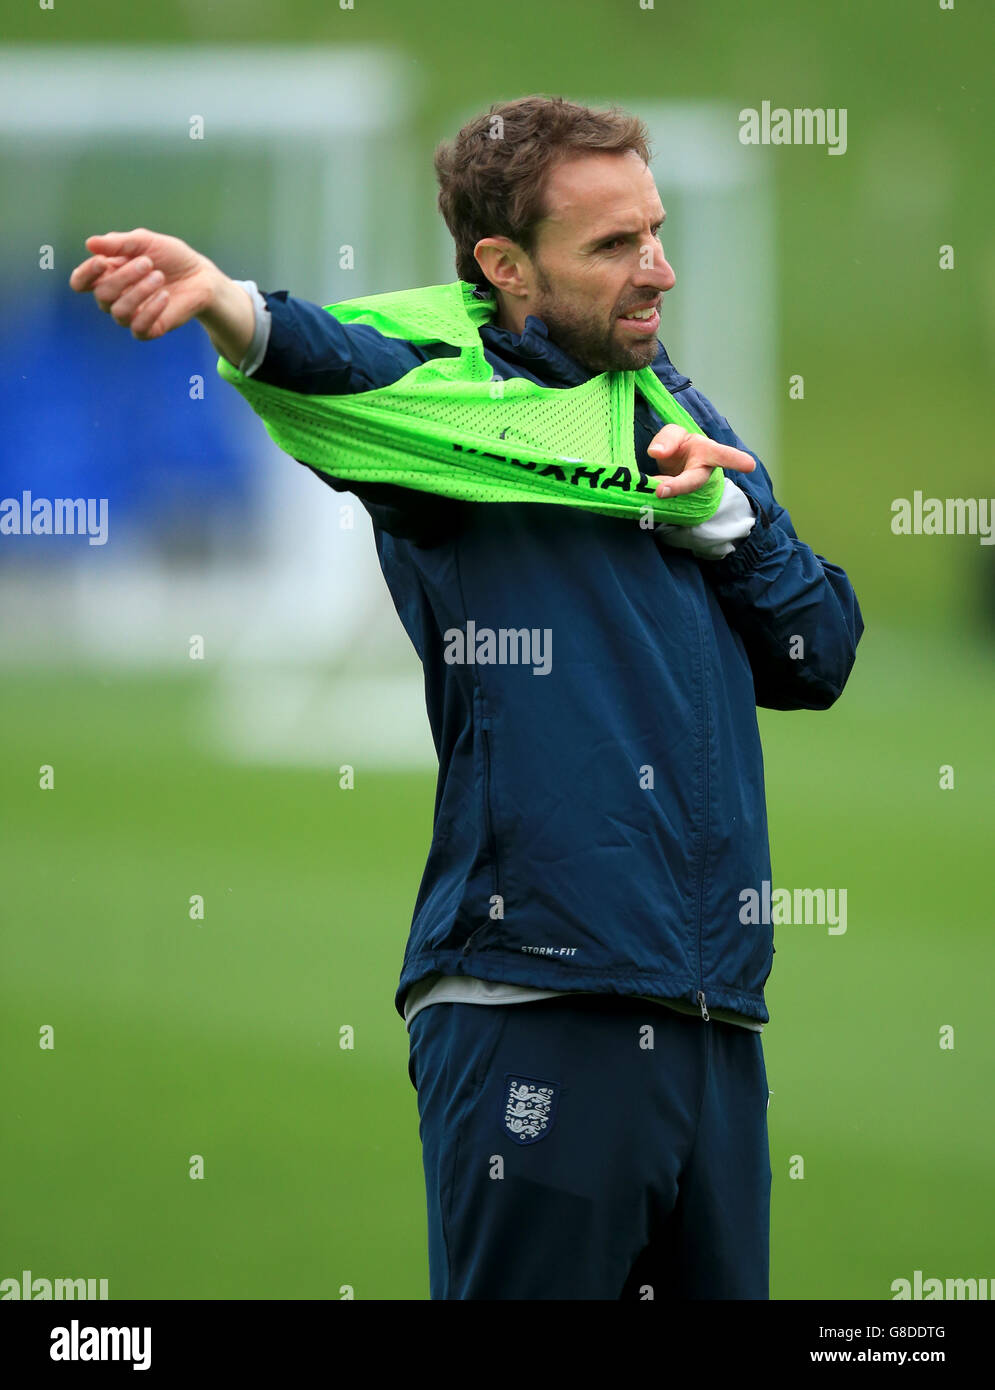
(660,274)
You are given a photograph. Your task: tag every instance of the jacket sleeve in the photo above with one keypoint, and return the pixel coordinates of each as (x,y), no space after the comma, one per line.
(310,351)
(795,611)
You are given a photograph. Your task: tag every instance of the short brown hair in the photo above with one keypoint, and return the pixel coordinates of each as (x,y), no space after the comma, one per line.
(494,185)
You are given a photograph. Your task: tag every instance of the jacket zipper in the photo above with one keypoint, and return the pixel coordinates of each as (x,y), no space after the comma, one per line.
(485,726)
(704,698)
(704,825)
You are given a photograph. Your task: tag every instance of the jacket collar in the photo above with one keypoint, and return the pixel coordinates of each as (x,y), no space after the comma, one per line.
(534,344)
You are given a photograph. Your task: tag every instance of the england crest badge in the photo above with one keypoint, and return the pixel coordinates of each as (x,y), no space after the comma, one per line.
(528,1108)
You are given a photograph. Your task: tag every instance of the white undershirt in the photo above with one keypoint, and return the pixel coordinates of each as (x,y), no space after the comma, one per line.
(466,989)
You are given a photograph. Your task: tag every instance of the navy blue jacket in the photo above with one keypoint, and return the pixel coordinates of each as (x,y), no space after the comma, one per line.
(594,826)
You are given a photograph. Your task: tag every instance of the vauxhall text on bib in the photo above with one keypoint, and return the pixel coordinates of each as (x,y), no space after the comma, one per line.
(449,426)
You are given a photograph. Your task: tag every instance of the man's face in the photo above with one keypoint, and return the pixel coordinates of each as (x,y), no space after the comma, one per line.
(597,259)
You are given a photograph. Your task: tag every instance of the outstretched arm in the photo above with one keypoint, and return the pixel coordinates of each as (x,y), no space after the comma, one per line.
(153,283)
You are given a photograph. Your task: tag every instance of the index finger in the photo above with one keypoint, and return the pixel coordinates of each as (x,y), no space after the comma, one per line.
(126,244)
(725,456)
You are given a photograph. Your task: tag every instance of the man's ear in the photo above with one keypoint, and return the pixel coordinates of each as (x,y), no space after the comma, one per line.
(500,259)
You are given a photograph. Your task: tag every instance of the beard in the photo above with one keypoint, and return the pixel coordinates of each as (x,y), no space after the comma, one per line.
(586,337)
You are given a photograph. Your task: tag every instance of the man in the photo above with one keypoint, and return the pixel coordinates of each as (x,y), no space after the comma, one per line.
(583,1000)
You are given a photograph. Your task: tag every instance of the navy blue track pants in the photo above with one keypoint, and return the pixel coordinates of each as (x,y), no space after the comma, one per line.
(592,1147)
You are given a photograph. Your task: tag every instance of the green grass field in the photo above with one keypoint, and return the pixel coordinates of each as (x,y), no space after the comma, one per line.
(176,1037)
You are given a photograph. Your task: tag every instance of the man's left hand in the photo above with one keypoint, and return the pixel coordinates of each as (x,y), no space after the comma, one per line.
(687,460)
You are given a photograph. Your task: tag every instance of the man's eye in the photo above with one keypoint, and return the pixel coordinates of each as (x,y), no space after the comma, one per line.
(616,241)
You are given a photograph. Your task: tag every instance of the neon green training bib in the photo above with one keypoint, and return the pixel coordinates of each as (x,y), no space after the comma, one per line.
(449,426)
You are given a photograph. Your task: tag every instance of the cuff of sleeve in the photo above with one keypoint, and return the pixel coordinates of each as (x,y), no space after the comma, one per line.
(748,553)
(256,350)
(716,538)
